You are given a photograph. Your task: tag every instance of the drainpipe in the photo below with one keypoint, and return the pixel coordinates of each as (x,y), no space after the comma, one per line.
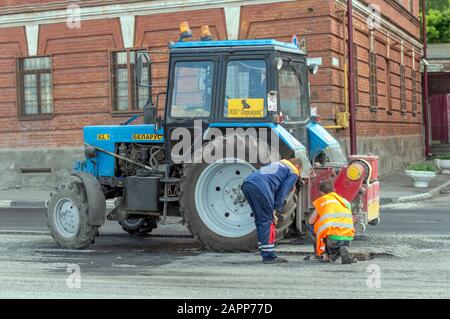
(425,80)
(351,79)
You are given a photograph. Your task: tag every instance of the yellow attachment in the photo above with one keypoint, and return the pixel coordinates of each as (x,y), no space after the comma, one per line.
(373,210)
(184,27)
(354,172)
(205,32)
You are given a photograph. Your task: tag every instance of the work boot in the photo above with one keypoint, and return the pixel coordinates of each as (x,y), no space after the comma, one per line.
(334,257)
(276,260)
(345,256)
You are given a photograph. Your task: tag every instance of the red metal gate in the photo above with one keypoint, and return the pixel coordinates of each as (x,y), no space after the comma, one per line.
(439,105)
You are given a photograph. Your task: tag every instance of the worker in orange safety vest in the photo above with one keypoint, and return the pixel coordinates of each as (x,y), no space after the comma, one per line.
(333,224)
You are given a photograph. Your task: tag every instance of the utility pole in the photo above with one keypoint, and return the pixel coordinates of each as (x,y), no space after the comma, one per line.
(425,80)
(351,79)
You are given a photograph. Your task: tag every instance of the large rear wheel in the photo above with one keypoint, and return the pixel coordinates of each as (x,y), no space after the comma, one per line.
(215,210)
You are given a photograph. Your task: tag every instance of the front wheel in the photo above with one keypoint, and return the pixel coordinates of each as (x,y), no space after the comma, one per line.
(67,217)
(136,225)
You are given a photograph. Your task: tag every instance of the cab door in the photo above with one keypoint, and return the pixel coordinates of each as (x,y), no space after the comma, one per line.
(245,86)
(191,102)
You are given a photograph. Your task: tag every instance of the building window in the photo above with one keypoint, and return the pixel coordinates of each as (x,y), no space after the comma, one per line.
(414,92)
(388,86)
(34,78)
(402,89)
(126,95)
(373,81)
(411,6)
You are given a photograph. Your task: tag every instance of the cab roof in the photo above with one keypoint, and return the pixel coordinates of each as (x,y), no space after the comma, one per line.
(271,44)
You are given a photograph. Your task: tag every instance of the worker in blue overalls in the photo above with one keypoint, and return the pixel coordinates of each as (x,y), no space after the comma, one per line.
(266,190)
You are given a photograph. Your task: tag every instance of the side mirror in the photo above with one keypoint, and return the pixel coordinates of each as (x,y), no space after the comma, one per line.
(313,68)
(150,113)
(142,61)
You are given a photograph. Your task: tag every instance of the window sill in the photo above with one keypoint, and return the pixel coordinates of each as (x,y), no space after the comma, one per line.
(37,117)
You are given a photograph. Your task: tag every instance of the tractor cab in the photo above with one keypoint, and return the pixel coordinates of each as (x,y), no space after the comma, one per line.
(235,83)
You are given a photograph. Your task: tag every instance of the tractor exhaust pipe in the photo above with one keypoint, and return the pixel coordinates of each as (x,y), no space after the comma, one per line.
(150,113)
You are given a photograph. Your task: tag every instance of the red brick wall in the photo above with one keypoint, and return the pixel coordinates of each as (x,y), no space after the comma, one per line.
(398,13)
(12,3)
(39,5)
(321,24)
(382,123)
(81,70)
(81,96)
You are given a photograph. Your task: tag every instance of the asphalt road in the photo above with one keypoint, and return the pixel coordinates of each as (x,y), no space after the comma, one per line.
(411,249)
(431,220)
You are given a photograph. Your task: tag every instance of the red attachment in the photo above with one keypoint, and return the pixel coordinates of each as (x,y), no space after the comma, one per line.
(348,188)
(372,160)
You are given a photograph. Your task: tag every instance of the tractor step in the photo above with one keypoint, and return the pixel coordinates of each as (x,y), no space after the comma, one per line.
(168,199)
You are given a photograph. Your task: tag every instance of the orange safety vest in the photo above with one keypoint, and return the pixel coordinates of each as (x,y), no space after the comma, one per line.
(335,219)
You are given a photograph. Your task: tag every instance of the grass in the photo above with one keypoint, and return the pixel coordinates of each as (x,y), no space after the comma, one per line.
(422,167)
(444,157)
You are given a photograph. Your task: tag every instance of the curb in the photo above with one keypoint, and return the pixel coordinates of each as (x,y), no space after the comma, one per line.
(433,193)
(36,204)
(22,204)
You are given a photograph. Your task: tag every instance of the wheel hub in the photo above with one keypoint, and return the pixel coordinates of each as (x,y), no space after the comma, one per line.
(67,217)
(219,200)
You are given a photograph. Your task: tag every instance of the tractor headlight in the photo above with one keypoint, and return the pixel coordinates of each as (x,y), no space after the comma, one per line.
(90,151)
(279,63)
(354,172)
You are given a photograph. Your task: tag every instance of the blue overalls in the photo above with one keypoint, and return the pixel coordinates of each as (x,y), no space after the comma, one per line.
(266,191)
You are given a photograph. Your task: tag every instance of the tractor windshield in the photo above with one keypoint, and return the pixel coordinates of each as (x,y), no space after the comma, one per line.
(246,89)
(192,91)
(292,91)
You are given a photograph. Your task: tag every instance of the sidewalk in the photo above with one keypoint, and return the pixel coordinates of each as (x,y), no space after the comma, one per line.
(396,187)
(23,198)
(399,188)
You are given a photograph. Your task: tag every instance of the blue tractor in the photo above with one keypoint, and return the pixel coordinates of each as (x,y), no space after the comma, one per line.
(247,101)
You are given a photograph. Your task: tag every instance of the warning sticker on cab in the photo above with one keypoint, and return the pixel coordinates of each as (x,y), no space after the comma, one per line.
(103,137)
(147,137)
(246,108)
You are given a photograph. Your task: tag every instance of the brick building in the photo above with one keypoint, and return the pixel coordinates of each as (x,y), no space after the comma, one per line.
(58,73)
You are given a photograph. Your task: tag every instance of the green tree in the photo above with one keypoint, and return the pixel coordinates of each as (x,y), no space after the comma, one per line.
(438,26)
(439,5)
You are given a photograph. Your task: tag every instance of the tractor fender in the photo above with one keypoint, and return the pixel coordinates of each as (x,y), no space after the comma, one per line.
(96,198)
